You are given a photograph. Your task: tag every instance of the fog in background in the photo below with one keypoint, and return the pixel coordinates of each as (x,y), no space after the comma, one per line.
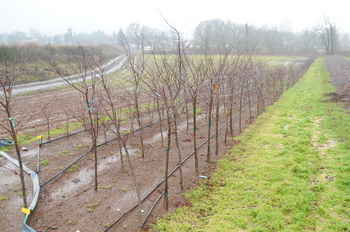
(270,27)
(54,17)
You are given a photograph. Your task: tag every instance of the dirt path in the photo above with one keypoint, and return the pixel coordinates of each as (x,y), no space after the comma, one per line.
(109,67)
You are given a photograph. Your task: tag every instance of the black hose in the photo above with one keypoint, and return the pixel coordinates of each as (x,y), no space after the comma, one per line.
(177,167)
(74,162)
(151,209)
(82,131)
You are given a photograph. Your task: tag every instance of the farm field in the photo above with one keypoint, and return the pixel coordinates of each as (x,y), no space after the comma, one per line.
(289,170)
(100,210)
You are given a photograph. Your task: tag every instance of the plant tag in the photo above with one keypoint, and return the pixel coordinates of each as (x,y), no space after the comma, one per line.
(25,210)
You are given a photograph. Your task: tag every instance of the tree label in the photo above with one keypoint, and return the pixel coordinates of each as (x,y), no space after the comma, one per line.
(25,210)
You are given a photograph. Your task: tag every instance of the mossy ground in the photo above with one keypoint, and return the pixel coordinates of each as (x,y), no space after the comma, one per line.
(289,172)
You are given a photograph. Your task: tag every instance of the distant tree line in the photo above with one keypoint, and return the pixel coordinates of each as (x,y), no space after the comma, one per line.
(216,33)
(271,40)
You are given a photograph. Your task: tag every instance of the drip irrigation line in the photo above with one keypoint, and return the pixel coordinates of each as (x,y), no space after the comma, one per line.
(66,200)
(74,162)
(53,140)
(59,173)
(82,131)
(151,209)
(36,191)
(130,210)
(175,169)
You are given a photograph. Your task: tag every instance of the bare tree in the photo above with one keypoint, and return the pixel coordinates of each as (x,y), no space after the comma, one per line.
(196,67)
(111,106)
(81,62)
(136,64)
(47,115)
(114,115)
(166,83)
(328,36)
(10,73)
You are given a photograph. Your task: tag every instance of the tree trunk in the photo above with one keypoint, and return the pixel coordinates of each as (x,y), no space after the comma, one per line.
(95,154)
(196,163)
(217,124)
(209,123)
(231,111)
(140,125)
(240,108)
(21,173)
(19,158)
(160,123)
(178,149)
(166,191)
(134,179)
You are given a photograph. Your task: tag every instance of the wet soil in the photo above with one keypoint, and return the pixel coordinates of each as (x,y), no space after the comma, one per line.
(69,202)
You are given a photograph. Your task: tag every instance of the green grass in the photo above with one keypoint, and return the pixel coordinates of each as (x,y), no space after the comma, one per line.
(290,171)
(105,187)
(107,225)
(73,168)
(44,162)
(91,207)
(22,139)
(64,153)
(280,59)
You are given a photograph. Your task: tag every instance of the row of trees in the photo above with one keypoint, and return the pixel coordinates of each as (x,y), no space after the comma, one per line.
(176,84)
(133,32)
(217,33)
(273,40)
(216,79)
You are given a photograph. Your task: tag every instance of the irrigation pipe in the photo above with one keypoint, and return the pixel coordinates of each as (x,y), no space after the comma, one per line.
(151,209)
(58,174)
(36,190)
(74,162)
(177,167)
(66,200)
(82,131)
(39,145)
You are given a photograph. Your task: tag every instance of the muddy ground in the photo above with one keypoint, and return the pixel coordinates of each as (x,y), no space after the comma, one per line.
(69,202)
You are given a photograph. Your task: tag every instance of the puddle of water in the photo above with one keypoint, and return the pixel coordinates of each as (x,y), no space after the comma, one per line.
(8,177)
(105,163)
(85,176)
(157,137)
(30,153)
(74,183)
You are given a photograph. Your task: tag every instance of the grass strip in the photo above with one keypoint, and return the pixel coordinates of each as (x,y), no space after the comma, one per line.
(289,172)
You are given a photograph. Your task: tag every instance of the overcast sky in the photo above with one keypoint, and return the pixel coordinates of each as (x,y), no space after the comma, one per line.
(54,17)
